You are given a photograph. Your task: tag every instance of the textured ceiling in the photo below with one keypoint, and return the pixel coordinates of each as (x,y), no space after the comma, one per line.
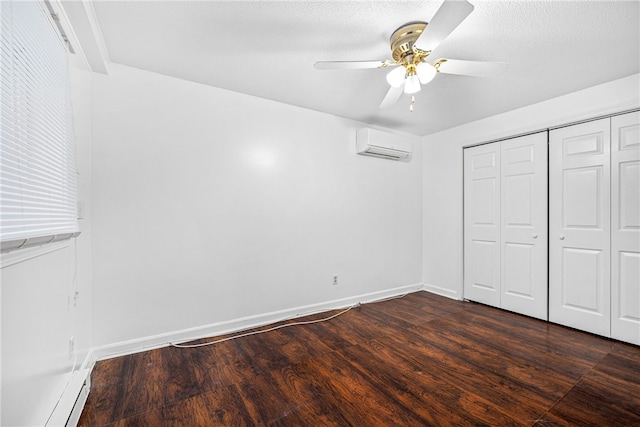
(268,48)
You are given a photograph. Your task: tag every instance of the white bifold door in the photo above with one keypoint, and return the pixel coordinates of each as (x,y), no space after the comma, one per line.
(625,227)
(594,227)
(505,224)
(579,234)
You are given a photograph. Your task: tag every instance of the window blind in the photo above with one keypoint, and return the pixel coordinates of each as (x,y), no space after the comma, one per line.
(38,191)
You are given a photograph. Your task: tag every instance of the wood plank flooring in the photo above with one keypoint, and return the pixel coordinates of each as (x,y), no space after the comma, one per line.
(415,361)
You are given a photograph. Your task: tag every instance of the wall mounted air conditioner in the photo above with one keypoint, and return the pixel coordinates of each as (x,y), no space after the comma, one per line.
(372,142)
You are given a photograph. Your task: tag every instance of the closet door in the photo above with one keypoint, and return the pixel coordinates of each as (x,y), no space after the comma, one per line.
(625,227)
(523,234)
(579,227)
(482,224)
(505,224)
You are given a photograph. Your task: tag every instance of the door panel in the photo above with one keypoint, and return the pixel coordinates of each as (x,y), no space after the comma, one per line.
(483,190)
(483,265)
(482,224)
(581,205)
(628,195)
(579,227)
(505,224)
(625,227)
(628,273)
(519,270)
(591,142)
(519,192)
(524,225)
(582,279)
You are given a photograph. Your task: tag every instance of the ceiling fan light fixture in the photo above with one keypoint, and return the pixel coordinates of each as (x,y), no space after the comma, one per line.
(411,46)
(395,77)
(426,72)
(412,84)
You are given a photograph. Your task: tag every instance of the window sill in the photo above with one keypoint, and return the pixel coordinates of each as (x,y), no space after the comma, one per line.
(24,254)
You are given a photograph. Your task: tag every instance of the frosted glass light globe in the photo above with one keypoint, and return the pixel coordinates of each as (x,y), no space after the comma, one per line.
(396,76)
(412,84)
(426,72)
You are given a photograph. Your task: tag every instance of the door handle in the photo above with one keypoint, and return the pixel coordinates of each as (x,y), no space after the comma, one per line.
(561,237)
(535,236)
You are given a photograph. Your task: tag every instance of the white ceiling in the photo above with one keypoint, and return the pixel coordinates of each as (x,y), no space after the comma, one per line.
(268,48)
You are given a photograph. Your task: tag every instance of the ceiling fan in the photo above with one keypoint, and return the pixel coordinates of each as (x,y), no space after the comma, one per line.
(411,45)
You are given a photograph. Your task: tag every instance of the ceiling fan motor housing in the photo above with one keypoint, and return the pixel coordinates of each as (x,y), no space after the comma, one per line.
(402,41)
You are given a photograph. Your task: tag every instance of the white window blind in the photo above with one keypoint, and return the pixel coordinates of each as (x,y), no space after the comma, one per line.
(38,193)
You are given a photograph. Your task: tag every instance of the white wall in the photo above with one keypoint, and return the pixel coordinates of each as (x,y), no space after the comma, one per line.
(442,158)
(210,205)
(38,311)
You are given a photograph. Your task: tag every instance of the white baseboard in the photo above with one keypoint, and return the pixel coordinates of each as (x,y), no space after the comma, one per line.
(69,408)
(235,325)
(441,291)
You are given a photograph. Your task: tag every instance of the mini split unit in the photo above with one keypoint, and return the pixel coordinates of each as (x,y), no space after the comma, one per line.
(371,142)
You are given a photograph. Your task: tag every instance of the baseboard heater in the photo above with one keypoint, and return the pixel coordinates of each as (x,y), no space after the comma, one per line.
(68,410)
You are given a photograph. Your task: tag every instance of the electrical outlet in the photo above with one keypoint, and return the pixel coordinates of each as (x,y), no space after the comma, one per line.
(335,280)
(72,347)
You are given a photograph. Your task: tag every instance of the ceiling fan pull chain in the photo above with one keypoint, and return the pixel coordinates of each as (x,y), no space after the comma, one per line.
(413,101)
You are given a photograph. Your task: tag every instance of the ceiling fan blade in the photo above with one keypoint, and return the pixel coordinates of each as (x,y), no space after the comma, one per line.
(351,65)
(392,96)
(446,19)
(471,68)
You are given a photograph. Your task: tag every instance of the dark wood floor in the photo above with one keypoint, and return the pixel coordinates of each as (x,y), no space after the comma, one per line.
(420,360)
